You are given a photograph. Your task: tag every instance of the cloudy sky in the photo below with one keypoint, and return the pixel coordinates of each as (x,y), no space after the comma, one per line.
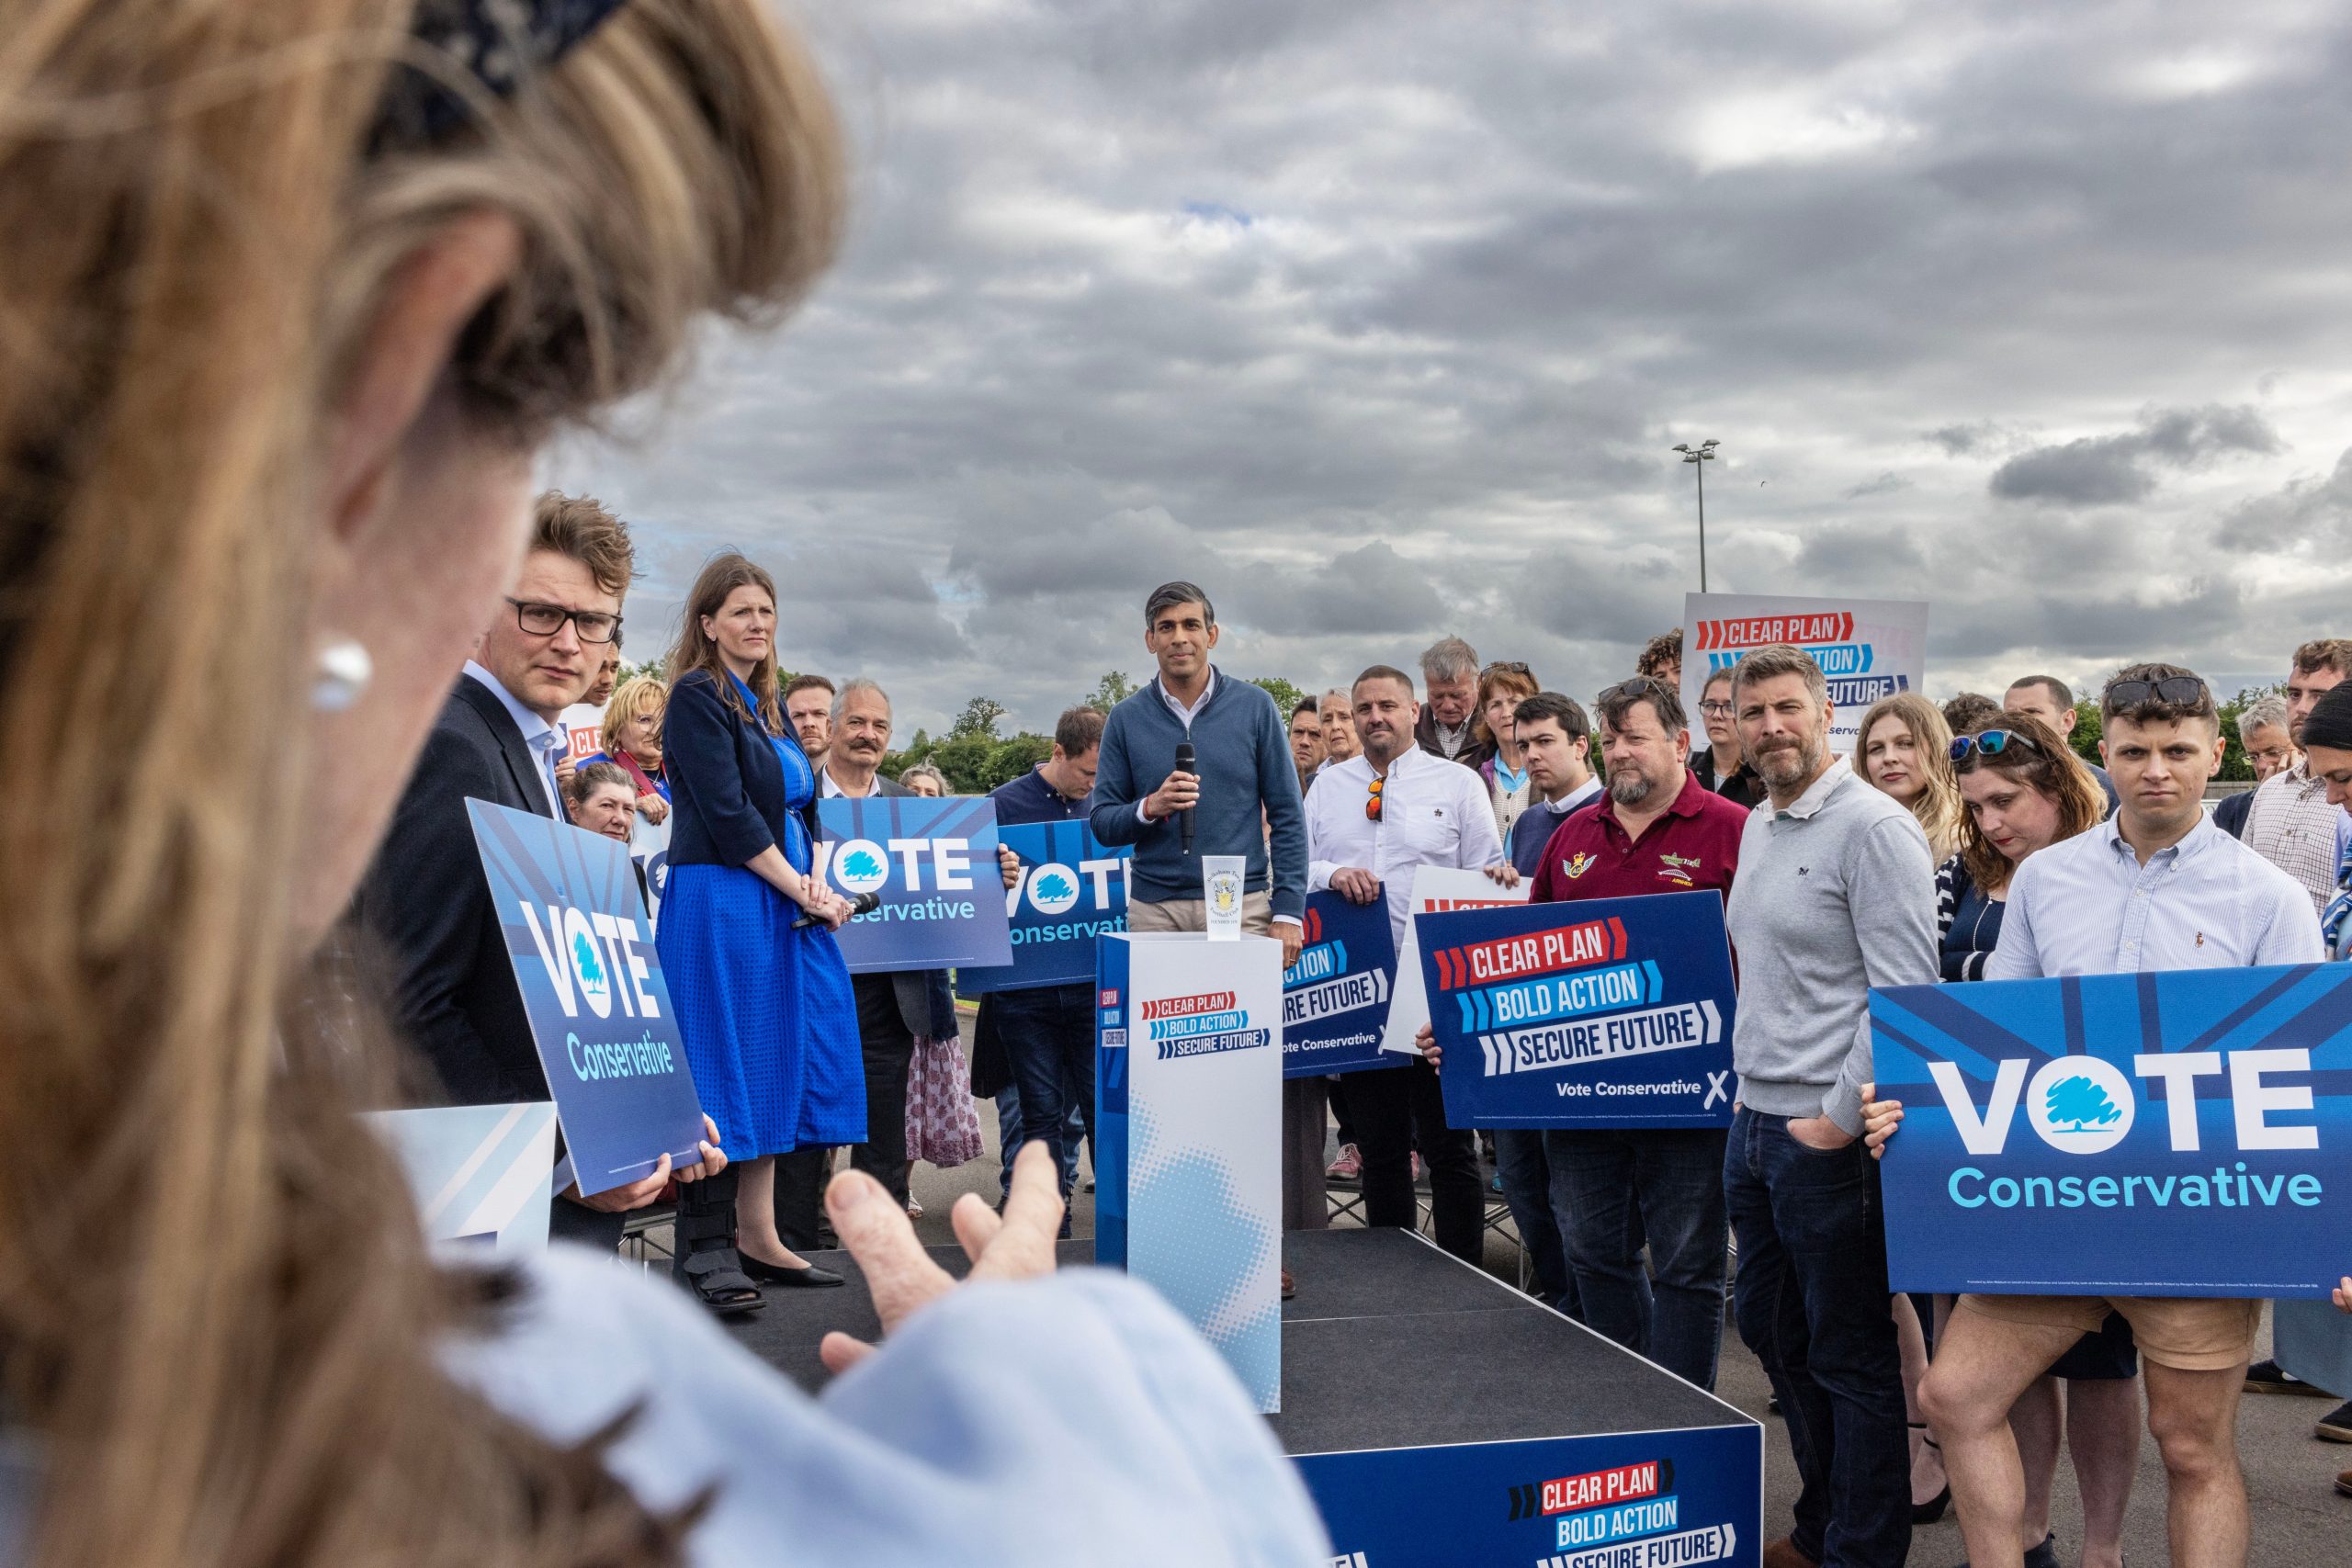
(1378,319)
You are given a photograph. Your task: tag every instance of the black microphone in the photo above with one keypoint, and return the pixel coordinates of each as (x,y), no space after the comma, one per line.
(1184,817)
(864,904)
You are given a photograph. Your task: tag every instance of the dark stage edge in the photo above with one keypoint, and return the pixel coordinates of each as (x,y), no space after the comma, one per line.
(1389,1344)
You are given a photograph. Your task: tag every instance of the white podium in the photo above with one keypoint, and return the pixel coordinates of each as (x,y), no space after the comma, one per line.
(1188,1134)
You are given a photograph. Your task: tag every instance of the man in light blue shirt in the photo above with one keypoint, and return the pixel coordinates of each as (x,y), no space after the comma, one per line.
(2155,887)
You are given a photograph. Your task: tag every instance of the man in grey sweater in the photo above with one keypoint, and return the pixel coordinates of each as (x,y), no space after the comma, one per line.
(1835,894)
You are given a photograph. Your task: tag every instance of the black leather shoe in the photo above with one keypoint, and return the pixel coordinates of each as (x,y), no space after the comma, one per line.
(806,1277)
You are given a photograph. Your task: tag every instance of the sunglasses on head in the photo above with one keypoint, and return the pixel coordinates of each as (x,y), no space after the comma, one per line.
(1991,743)
(1371,806)
(1508,667)
(1641,688)
(2179,690)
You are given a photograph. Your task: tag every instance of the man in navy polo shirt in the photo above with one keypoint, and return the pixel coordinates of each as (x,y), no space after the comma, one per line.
(1048,1031)
(1658,829)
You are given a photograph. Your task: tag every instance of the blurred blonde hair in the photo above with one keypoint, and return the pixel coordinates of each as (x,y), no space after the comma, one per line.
(1938,806)
(639,697)
(216,1313)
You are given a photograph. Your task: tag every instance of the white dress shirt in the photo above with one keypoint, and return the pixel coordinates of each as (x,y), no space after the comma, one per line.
(547,742)
(2087,907)
(1432,812)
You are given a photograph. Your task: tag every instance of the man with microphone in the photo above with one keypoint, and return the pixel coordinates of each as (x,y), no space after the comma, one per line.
(1197,763)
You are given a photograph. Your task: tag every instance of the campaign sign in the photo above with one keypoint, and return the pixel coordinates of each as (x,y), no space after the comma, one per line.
(2179,1134)
(1600,1012)
(482,1175)
(1188,1135)
(1676,1498)
(592,984)
(1071,888)
(1435,888)
(1869,648)
(1335,998)
(932,864)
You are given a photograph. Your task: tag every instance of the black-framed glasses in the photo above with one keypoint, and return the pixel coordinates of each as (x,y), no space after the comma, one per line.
(546,620)
(1719,708)
(1990,743)
(2179,690)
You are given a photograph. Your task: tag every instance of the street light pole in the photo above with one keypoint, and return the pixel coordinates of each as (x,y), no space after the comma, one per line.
(1699,456)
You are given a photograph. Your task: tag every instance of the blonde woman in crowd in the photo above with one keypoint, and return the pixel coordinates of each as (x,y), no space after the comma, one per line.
(295,293)
(1902,749)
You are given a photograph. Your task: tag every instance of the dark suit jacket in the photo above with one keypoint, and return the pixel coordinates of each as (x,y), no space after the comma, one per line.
(2229,812)
(726,785)
(926,1005)
(1474,752)
(425,913)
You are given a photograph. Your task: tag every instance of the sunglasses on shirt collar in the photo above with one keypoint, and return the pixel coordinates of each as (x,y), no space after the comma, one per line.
(1371,806)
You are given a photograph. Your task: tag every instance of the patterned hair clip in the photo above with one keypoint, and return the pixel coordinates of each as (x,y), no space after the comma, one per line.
(500,42)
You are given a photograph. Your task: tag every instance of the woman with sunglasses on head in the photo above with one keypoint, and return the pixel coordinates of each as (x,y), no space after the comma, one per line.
(2024,790)
(297,292)
(1902,750)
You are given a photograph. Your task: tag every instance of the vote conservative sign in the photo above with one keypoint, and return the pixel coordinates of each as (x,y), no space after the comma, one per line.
(932,864)
(1869,648)
(1070,889)
(1335,998)
(591,985)
(2179,1134)
(1601,1012)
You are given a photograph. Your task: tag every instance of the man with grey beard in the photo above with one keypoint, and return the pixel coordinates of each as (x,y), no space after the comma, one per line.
(1835,894)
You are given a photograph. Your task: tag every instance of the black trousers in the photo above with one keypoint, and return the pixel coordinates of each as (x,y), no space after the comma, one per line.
(889,1048)
(584,1226)
(1396,1110)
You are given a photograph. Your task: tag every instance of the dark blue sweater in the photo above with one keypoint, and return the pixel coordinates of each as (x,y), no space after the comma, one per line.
(1241,753)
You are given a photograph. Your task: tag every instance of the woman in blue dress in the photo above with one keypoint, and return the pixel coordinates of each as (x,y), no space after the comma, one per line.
(763,1004)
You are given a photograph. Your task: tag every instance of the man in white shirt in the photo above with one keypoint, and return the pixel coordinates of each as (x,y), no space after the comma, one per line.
(2155,887)
(1370,821)
(2290,823)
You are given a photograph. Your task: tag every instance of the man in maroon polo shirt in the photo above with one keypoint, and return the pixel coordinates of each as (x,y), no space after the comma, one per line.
(1658,829)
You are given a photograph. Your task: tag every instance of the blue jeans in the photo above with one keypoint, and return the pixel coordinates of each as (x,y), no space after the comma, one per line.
(1049,1034)
(1617,1187)
(1811,1301)
(1526,1180)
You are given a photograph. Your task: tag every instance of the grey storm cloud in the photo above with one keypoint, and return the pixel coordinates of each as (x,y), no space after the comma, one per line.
(1379,320)
(2094,471)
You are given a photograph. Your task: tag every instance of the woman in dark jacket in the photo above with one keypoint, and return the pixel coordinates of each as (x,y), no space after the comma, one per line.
(764,1003)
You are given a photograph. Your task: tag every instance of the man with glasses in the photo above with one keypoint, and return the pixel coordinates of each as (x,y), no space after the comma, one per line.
(1371,822)
(424,912)
(2290,823)
(2157,886)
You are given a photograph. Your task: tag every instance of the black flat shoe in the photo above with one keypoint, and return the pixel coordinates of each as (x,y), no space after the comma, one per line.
(806,1277)
(1931,1510)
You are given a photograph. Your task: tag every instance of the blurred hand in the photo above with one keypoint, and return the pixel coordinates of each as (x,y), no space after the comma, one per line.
(652,807)
(1503,872)
(2342,1294)
(564,768)
(902,1276)
(714,1158)
(1819,1132)
(1181,792)
(622,1200)
(827,906)
(1009,864)
(1293,936)
(1356,884)
(1425,1042)
(1879,1119)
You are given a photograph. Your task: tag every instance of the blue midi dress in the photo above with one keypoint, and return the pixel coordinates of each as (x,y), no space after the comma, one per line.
(765,1011)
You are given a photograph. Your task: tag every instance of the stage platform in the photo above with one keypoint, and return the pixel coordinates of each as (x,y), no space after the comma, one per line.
(1441,1418)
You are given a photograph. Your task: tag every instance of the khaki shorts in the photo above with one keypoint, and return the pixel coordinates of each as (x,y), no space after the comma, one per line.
(2186,1333)
(1193,914)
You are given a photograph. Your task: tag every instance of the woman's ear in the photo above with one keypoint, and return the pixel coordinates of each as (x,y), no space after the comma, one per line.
(399,360)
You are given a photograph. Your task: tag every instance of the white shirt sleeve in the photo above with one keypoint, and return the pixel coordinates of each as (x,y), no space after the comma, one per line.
(1477,843)
(2015,956)
(2292,935)
(1319,869)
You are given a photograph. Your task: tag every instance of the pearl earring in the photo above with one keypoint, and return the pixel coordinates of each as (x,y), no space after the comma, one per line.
(344,671)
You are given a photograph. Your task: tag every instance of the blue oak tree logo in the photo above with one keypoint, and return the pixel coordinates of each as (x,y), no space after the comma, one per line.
(2077,1105)
(1053,889)
(586,966)
(860,866)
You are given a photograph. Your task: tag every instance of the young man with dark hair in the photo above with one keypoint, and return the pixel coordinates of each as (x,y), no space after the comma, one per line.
(2052,701)
(1837,894)
(1971,712)
(2157,886)
(1047,1031)
(1661,658)
(1372,822)
(2290,824)
(1306,740)
(809,708)
(1657,829)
